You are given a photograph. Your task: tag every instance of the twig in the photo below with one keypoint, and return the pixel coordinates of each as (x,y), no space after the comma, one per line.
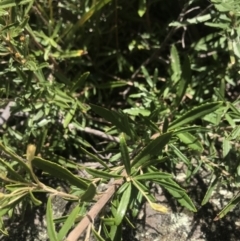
(91,215)
(101,134)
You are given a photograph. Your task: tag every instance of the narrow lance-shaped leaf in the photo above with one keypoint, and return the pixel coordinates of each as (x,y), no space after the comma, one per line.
(96,158)
(15,157)
(184,81)
(68,223)
(169,185)
(191,129)
(153,175)
(34,199)
(147,76)
(80,82)
(208,194)
(96,7)
(141,188)
(11,171)
(175,64)
(68,54)
(120,120)
(153,148)
(195,113)
(70,114)
(180,155)
(8,4)
(123,205)
(231,205)
(234,109)
(125,154)
(112,84)
(226,145)
(97,235)
(60,172)
(180,196)
(191,141)
(52,235)
(137,111)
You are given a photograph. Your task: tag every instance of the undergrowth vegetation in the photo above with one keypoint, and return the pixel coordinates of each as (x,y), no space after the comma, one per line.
(115,93)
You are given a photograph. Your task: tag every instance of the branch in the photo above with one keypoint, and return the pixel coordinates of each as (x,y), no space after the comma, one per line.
(96,209)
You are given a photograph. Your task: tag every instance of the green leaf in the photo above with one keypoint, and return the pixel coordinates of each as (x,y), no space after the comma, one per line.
(234,109)
(68,223)
(215,117)
(87,15)
(80,82)
(70,114)
(199,19)
(125,154)
(226,145)
(122,188)
(52,235)
(5,210)
(112,84)
(170,185)
(208,194)
(150,124)
(153,175)
(89,194)
(191,129)
(234,133)
(11,171)
(180,196)
(97,159)
(175,64)
(60,172)
(60,95)
(195,113)
(137,111)
(67,54)
(181,156)
(16,186)
(136,202)
(120,120)
(116,233)
(147,77)
(230,206)
(153,148)
(108,221)
(184,81)
(15,157)
(34,199)
(3,230)
(154,162)
(191,141)
(123,205)
(141,187)
(11,3)
(102,174)
(96,234)
(142,7)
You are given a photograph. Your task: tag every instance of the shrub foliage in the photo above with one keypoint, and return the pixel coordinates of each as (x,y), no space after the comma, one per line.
(115,93)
